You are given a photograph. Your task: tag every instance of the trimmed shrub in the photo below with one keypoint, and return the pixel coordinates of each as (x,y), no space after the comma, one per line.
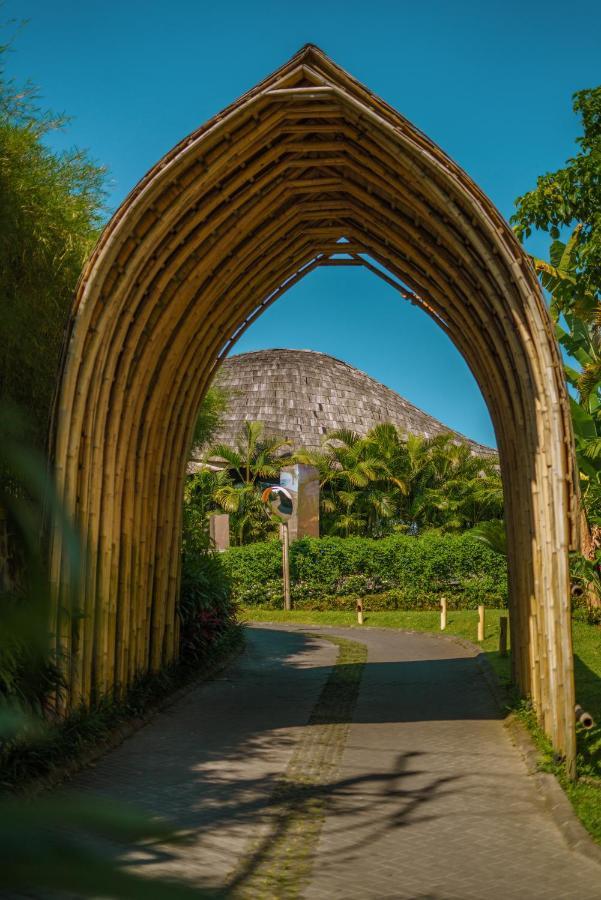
(397,572)
(206,610)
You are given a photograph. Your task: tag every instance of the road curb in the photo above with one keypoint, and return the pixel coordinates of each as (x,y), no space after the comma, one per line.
(555,799)
(121,733)
(553,795)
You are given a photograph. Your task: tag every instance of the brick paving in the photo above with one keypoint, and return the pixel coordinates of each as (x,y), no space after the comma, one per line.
(444,808)
(430,801)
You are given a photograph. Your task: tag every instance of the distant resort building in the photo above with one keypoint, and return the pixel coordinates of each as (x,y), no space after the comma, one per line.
(302,395)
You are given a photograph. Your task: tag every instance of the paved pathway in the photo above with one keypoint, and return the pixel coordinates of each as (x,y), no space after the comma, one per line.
(417,793)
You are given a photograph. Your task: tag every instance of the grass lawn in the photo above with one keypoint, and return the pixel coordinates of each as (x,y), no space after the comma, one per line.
(585,794)
(460,623)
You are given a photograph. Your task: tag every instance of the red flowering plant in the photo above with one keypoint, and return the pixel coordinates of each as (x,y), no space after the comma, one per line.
(206,609)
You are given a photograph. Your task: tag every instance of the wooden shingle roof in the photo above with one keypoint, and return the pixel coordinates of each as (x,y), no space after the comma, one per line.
(302,395)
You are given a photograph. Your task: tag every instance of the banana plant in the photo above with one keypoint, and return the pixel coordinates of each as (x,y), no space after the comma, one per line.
(577,316)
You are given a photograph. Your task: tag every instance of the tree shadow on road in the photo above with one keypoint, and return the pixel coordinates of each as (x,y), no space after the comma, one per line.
(361,810)
(215,763)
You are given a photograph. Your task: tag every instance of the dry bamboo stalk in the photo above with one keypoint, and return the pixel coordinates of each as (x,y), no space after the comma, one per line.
(481,630)
(503,636)
(218,230)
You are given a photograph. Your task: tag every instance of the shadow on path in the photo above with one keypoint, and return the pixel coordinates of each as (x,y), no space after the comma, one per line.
(426,758)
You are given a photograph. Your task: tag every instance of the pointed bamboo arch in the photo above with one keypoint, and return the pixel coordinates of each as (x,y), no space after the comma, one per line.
(221,227)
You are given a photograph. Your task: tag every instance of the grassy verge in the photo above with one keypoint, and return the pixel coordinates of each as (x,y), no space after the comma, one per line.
(585,793)
(460,623)
(280,863)
(56,751)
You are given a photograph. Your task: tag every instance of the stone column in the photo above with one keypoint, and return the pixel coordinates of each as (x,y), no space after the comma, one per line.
(303,483)
(219,531)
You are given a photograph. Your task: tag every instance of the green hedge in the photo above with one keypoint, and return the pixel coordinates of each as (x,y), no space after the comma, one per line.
(397,572)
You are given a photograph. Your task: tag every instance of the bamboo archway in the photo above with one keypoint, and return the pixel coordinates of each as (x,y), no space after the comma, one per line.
(307,169)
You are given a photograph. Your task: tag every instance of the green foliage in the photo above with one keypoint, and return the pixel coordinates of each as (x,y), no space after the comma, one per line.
(358,493)
(50,215)
(29,675)
(200,491)
(493,534)
(47,844)
(236,489)
(249,519)
(255,457)
(450,487)
(586,582)
(571,195)
(374,485)
(209,418)
(205,608)
(206,611)
(577,324)
(396,572)
(383,482)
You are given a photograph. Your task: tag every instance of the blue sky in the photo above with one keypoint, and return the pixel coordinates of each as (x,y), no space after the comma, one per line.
(490,82)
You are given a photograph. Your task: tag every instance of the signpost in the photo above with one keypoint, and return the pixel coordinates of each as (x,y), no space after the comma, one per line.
(279,501)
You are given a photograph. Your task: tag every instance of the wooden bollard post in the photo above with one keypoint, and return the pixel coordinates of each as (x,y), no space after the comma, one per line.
(443,613)
(480,623)
(360,611)
(503,636)
(286,565)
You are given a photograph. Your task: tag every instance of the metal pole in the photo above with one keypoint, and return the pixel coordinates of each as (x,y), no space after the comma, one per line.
(286,565)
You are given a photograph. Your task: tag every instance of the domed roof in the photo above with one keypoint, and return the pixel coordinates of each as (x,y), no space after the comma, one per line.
(302,395)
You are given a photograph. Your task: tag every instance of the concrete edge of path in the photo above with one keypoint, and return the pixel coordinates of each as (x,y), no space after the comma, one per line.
(558,804)
(554,797)
(121,733)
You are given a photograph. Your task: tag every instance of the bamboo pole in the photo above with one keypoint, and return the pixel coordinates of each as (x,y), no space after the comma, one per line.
(480,624)
(503,636)
(360,611)
(217,231)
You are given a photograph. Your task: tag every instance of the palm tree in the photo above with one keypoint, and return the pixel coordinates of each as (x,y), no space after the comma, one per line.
(385,481)
(200,491)
(209,418)
(492,534)
(451,487)
(255,458)
(354,481)
(371,485)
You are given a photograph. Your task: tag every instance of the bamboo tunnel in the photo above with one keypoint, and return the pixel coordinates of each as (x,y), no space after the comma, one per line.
(309,168)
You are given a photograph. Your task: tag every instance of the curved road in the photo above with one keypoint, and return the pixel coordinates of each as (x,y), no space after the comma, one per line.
(389,775)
